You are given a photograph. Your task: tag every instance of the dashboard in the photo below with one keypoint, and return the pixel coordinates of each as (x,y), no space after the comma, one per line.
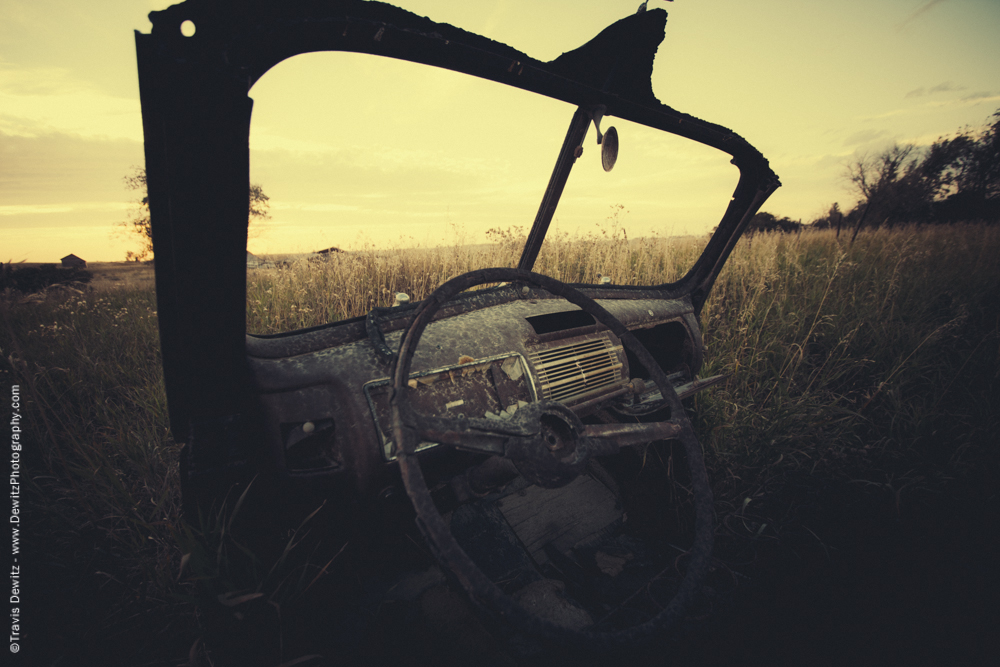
(324,393)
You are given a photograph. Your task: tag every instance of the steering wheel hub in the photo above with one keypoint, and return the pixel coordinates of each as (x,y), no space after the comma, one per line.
(554,458)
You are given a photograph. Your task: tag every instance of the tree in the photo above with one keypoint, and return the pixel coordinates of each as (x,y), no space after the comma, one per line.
(138,217)
(833,219)
(886,182)
(768,222)
(965,174)
(955,178)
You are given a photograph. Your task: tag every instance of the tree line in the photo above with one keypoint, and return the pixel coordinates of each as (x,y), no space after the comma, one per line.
(955,178)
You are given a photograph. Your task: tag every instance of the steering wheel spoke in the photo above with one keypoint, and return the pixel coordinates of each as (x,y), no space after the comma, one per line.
(488,436)
(626,435)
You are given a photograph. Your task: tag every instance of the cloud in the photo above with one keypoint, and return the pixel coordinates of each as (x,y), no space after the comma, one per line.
(864,137)
(300,206)
(981,95)
(63,169)
(945,87)
(923,9)
(892,113)
(36,80)
(35,101)
(360,153)
(32,209)
(830,160)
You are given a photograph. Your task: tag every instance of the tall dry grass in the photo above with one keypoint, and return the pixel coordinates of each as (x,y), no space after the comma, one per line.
(877,362)
(344,285)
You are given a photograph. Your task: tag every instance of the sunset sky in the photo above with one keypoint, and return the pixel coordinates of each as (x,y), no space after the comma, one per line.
(357,150)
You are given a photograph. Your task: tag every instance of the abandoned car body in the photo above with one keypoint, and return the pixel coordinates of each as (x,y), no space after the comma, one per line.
(517,387)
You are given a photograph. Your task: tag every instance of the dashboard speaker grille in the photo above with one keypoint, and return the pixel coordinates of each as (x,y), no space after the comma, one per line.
(579,370)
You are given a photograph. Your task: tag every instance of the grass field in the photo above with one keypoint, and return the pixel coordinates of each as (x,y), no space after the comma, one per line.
(873,369)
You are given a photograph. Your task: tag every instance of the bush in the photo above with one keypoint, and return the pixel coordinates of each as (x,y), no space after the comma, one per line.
(35,279)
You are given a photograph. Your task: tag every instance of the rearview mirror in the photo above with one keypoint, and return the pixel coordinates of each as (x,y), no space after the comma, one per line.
(609,149)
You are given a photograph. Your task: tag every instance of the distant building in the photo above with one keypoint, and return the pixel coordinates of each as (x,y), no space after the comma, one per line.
(73,262)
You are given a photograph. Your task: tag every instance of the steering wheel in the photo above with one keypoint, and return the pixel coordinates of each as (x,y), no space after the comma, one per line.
(550,446)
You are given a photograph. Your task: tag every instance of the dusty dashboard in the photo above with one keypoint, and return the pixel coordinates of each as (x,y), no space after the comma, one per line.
(325,392)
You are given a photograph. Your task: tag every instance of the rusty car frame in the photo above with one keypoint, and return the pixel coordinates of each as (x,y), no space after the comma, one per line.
(527,383)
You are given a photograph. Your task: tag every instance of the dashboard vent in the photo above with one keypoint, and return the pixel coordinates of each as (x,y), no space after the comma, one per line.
(568,373)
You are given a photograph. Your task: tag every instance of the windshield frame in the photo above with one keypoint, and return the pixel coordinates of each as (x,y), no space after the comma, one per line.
(196,118)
